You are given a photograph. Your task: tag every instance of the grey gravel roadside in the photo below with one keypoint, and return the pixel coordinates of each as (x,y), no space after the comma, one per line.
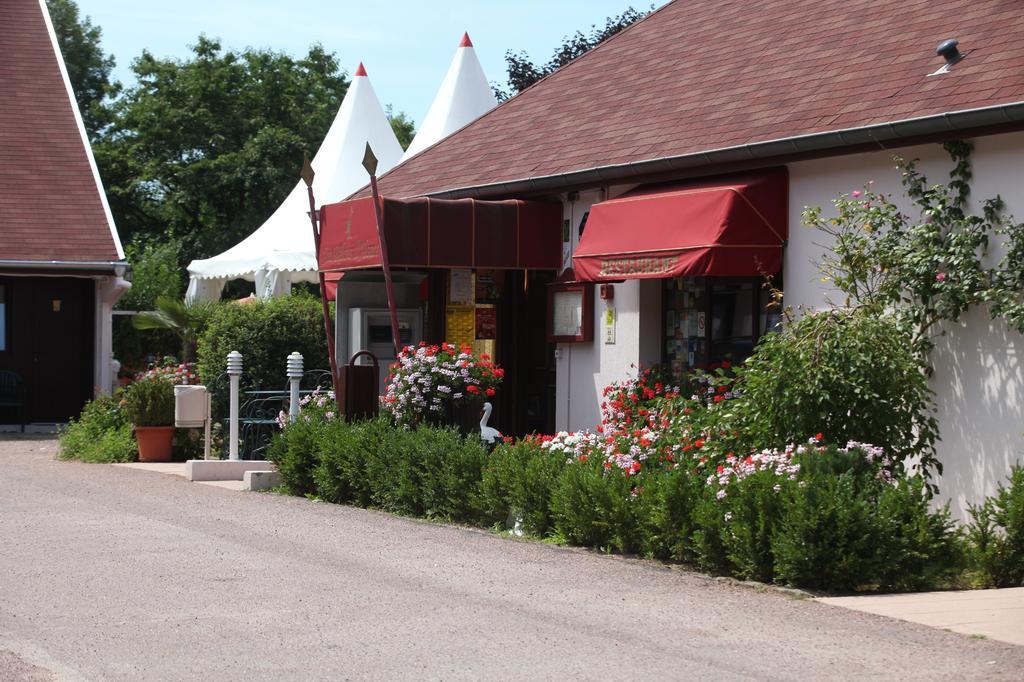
(109,573)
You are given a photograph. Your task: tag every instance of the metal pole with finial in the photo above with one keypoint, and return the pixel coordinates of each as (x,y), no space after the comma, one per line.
(370,164)
(307,175)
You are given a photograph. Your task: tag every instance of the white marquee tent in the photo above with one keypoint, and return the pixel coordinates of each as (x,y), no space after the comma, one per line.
(281,251)
(464,96)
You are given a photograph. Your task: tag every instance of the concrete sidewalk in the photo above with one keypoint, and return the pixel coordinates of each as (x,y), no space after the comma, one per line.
(995,614)
(178,469)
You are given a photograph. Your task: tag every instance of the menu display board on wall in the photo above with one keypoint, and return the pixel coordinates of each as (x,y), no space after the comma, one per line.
(570,312)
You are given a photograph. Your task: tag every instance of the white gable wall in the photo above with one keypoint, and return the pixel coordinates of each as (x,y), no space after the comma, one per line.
(979,375)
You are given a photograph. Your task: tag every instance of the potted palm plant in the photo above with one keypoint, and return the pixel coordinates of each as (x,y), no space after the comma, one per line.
(149,406)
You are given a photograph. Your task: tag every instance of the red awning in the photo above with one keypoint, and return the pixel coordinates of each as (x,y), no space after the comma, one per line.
(442,233)
(726,227)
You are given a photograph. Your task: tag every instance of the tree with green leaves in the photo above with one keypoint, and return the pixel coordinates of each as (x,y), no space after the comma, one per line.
(404,127)
(88,67)
(205,149)
(523,72)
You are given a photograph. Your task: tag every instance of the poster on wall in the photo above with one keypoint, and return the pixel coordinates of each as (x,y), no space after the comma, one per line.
(460,324)
(486,323)
(460,287)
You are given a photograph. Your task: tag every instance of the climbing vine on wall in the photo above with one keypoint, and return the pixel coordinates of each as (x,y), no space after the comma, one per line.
(929,269)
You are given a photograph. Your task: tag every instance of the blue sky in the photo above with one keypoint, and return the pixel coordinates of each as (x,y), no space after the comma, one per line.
(405,45)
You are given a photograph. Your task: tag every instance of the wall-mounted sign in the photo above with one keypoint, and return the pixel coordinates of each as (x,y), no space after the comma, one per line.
(609,324)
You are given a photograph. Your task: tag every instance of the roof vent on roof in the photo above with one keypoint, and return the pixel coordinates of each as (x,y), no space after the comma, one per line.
(947,49)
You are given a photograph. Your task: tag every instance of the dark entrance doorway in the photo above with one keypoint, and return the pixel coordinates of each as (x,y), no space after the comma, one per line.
(49,343)
(528,404)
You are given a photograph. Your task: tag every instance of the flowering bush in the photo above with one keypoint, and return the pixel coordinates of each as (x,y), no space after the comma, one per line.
(170,369)
(427,380)
(630,400)
(316,406)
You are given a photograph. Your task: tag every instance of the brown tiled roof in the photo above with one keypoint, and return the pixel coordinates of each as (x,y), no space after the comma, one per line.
(699,75)
(50,204)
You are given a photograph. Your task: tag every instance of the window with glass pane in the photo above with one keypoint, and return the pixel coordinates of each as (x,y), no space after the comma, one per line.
(685,303)
(711,319)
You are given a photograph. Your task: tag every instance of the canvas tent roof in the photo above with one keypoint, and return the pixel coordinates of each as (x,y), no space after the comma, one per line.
(464,96)
(281,250)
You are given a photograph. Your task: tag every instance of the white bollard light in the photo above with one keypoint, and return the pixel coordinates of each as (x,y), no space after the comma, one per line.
(234,373)
(294,378)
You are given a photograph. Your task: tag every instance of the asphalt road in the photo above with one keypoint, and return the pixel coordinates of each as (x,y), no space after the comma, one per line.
(109,573)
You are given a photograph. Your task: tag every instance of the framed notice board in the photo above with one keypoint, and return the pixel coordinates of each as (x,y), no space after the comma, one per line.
(570,317)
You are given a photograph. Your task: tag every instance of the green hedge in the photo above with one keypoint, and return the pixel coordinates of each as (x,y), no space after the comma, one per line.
(840,528)
(265,333)
(427,471)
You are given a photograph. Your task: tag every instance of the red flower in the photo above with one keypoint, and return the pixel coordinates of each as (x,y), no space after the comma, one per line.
(726,364)
(723,389)
(472,389)
(634,467)
(607,465)
(699,443)
(489,391)
(720,468)
(819,437)
(719,398)
(583,458)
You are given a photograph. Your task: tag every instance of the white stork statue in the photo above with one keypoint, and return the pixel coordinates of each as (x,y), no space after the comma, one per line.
(488,434)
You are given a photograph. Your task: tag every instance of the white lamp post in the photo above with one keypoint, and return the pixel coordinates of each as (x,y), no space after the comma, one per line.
(234,373)
(294,378)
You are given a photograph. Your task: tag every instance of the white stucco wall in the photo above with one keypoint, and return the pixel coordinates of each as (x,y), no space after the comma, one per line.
(979,377)
(584,369)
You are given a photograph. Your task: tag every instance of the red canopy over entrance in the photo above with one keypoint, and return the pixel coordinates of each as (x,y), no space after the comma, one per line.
(727,227)
(442,233)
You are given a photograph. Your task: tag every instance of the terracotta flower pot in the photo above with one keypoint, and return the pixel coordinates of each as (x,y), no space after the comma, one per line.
(154,443)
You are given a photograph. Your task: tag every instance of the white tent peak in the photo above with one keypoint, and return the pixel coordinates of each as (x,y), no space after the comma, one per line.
(464,96)
(281,250)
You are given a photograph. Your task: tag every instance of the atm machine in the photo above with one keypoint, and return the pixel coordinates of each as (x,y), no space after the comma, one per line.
(370,329)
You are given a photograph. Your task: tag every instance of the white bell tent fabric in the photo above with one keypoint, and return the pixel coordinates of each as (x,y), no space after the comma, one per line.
(465,95)
(281,250)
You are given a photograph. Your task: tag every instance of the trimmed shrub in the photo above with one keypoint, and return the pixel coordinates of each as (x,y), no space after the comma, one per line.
(846,532)
(296,452)
(428,471)
(997,534)
(596,508)
(667,508)
(518,480)
(264,332)
(100,434)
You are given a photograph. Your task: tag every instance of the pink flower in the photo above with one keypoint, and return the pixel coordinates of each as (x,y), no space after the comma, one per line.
(940,277)
(855,193)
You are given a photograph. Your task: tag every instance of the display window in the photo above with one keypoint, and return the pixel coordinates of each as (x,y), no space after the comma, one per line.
(708,320)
